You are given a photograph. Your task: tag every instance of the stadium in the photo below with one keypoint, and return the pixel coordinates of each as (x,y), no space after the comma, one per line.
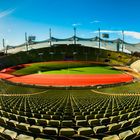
(70,89)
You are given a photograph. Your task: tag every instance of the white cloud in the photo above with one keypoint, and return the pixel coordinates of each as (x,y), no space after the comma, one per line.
(95,21)
(133,34)
(6,12)
(76,24)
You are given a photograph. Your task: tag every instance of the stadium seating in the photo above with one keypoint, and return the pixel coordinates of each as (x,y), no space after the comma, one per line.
(69,114)
(83,53)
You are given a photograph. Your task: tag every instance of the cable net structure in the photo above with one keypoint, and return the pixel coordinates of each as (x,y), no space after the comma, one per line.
(96,42)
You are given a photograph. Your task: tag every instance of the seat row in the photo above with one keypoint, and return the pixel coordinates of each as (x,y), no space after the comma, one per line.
(68,133)
(41,125)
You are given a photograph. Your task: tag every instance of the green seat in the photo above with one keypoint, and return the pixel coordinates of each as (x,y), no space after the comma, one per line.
(23,126)
(86,131)
(94,122)
(100,129)
(136,130)
(104,121)
(37,115)
(79,117)
(50,131)
(97,116)
(111,137)
(114,119)
(114,127)
(77,113)
(1,129)
(81,123)
(132,120)
(67,132)
(36,129)
(32,121)
(85,113)
(127,135)
(58,113)
(24,137)
(136,120)
(50,113)
(115,113)
(3,121)
(12,123)
(29,114)
(88,117)
(107,115)
(22,119)
(67,123)
(6,114)
(123,117)
(55,117)
(45,116)
(43,139)
(67,117)
(122,112)
(131,115)
(125,124)
(54,123)
(42,122)
(11,134)
(22,113)
(13,117)
(80,137)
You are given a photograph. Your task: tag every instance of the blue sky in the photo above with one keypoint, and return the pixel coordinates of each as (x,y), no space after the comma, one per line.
(36,17)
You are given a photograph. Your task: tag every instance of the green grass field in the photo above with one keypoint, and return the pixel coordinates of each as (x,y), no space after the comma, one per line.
(66,68)
(84,70)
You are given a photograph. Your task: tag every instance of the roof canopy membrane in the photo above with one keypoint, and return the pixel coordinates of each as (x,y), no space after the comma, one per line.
(114,45)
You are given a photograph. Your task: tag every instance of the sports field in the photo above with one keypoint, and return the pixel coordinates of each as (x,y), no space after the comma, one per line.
(70,67)
(64,73)
(85,70)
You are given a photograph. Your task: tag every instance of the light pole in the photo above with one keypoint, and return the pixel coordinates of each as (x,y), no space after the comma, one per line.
(74,29)
(26,41)
(99,38)
(122,40)
(50,33)
(3,43)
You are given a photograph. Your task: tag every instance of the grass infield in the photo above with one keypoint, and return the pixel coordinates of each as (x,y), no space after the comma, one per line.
(85,70)
(69,67)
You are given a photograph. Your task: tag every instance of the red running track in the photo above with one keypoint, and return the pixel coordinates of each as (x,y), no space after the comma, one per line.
(68,80)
